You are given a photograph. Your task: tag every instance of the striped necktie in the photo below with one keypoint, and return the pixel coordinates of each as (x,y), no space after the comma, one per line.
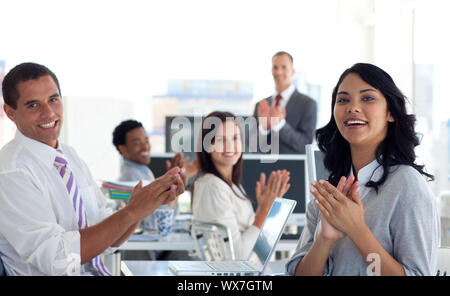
(77,201)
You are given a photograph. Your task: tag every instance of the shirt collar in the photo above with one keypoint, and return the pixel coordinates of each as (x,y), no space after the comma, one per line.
(285,94)
(371,172)
(41,151)
(135,165)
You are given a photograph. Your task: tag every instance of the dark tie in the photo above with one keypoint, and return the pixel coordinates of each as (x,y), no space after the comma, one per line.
(277,100)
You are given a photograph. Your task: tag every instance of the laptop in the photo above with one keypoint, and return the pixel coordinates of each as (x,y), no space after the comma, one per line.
(260,255)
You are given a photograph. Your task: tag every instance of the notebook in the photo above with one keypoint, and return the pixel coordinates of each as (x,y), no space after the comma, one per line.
(260,255)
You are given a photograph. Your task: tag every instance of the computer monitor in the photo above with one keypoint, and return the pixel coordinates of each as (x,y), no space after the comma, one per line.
(158,163)
(315,166)
(183,132)
(255,164)
(158,167)
(321,171)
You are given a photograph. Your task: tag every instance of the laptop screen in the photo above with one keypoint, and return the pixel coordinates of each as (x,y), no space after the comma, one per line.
(270,232)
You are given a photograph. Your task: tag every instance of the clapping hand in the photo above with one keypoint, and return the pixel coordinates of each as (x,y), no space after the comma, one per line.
(276,186)
(264,114)
(163,190)
(276,114)
(341,207)
(178,161)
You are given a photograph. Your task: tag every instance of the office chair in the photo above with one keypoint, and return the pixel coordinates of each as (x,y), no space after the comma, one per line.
(443,261)
(212,241)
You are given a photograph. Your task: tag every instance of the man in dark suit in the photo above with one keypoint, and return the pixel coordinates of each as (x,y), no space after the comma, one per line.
(287,116)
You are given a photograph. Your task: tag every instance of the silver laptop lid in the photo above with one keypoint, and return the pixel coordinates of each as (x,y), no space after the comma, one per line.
(270,233)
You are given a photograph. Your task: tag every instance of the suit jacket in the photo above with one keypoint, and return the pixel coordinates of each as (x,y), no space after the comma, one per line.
(301,119)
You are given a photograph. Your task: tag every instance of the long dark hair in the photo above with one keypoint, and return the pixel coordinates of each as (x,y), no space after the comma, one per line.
(206,164)
(398,146)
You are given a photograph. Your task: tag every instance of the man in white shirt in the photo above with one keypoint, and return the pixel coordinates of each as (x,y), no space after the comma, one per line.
(43,205)
(287,116)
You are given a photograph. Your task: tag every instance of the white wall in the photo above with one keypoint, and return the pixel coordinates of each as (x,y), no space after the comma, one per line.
(111,57)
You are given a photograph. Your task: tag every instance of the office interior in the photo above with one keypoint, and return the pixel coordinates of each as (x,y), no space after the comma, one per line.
(152,60)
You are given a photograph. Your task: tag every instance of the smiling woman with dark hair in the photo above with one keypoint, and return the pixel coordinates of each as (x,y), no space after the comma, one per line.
(375,214)
(217,193)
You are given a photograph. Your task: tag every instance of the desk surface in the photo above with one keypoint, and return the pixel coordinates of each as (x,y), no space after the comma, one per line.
(158,268)
(176,241)
(182,241)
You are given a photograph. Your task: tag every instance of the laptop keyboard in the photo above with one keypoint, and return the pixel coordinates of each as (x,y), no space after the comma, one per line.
(234,266)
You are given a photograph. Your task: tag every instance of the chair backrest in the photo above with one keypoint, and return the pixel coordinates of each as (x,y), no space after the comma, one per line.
(443,261)
(212,241)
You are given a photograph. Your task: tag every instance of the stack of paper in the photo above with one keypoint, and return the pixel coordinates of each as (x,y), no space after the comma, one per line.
(121,190)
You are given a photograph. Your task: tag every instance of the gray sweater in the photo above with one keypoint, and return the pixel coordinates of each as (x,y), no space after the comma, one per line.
(403,216)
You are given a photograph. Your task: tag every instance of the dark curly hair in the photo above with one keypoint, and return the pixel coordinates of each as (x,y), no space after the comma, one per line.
(398,146)
(120,132)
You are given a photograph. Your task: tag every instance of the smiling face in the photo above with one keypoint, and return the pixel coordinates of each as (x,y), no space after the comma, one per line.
(282,71)
(227,146)
(361,113)
(137,146)
(39,110)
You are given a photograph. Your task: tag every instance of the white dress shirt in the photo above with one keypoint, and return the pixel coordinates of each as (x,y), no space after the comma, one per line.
(38,226)
(285,96)
(214,201)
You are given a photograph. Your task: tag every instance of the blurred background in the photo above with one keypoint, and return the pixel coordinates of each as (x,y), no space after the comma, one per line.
(145,60)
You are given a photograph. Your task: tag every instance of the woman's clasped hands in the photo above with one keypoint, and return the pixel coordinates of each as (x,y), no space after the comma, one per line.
(341,208)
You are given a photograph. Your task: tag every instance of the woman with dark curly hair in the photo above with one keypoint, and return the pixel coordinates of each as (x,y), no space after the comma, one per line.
(375,214)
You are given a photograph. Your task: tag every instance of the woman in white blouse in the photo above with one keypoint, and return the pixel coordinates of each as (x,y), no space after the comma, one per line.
(217,193)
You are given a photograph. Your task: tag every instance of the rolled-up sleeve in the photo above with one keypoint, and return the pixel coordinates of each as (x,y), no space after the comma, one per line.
(29,226)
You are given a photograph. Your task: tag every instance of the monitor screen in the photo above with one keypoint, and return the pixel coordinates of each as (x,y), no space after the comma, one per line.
(255,164)
(158,167)
(158,163)
(182,133)
(270,232)
(321,171)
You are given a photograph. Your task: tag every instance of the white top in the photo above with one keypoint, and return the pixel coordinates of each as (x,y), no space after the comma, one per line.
(38,225)
(214,201)
(285,96)
(403,217)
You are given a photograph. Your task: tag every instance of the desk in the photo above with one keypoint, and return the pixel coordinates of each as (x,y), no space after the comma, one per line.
(182,241)
(158,268)
(175,241)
